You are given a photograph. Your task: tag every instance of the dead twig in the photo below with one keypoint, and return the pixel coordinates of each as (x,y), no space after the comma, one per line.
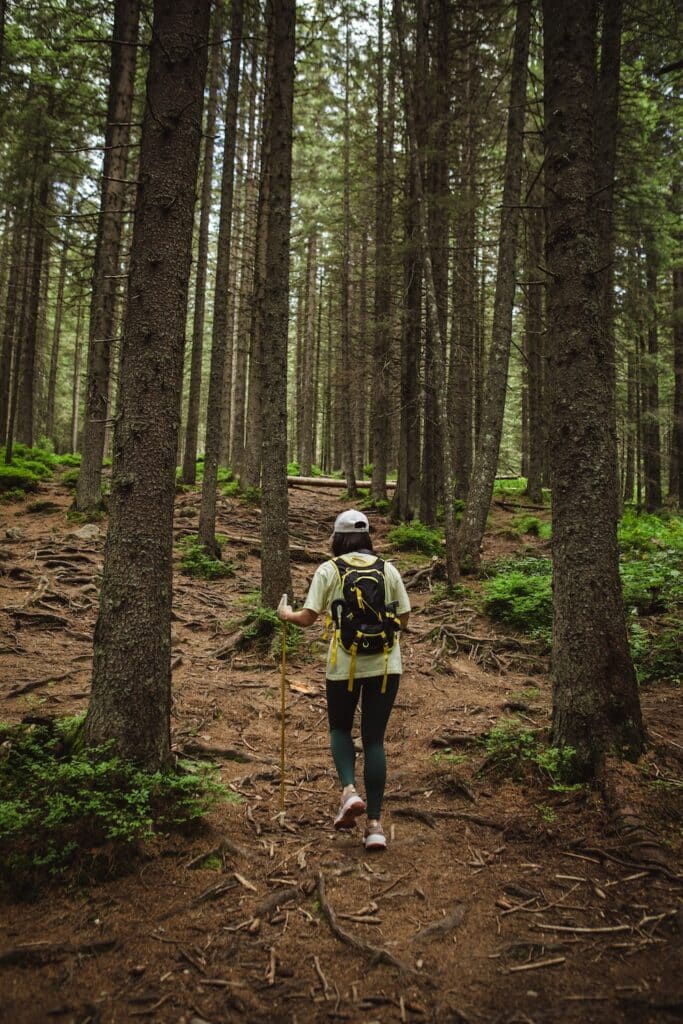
(376,953)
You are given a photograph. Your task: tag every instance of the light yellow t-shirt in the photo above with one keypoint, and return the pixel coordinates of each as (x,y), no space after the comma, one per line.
(326,588)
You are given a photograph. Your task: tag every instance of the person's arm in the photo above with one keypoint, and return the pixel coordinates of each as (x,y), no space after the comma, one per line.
(305,617)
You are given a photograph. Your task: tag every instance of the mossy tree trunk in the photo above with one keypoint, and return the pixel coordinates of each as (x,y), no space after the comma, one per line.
(131,689)
(596,708)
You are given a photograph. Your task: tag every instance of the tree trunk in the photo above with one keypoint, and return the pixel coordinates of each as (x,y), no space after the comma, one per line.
(107,250)
(26,362)
(464,282)
(652,453)
(131,690)
(379,418)
(189,472)
(219,335)
(275,565)
(407,492)
(76,386)
(346,381)
(676,467)
(535,339)
(308,363)
(596,709)
(488,444)
(57,327)
(451,553)
(630,429)
(9,335)
(248,255)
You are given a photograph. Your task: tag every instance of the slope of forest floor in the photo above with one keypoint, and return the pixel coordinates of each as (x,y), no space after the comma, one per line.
(498,900)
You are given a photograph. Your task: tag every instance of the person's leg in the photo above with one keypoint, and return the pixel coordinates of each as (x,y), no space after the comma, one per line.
(375,711)
(341,707)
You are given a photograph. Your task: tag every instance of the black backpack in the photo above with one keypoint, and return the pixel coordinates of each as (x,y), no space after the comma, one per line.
(363,622)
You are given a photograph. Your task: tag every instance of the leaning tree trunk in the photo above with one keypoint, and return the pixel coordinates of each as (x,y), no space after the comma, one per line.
(219,334)
(107,250)
(9,334)
(596,710)
(275,567)
(488,443)
(131,691)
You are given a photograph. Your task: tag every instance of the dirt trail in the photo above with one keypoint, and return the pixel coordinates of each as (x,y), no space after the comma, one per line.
(497,900)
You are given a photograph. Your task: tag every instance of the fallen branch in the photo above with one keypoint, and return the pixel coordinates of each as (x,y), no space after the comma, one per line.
(538,963)
(197,749)
(376,953)
(28,956)
(35,684)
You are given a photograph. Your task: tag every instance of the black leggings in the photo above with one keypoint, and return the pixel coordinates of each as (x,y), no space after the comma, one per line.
(375,711)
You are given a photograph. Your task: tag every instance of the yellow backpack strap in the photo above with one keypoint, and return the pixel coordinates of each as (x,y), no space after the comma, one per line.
(352,669)
(386,666)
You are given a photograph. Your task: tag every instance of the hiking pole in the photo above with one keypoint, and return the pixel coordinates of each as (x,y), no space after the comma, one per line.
(283,669)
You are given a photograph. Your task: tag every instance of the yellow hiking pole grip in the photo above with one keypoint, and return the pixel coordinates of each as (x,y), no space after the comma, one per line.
(283,665)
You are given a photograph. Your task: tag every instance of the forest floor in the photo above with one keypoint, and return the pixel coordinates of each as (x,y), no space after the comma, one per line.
(497,900)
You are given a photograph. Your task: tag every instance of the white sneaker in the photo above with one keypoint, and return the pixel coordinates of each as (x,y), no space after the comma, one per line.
(349,809)
(374,838)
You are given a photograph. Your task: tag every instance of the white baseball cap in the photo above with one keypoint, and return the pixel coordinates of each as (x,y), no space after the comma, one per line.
(351,521)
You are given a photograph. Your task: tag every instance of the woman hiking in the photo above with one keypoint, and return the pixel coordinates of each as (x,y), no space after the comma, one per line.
(367,604)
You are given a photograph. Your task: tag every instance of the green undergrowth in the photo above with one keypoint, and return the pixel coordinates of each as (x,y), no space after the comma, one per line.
(416,536)
(515,750)
(517,592)
(263,630)
(196,562)
(83,811)
(233,489)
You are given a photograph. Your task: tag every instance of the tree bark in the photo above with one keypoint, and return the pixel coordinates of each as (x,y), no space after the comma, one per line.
(652,451)
(248,255)
(488,443)
(107,250)
(57,327)
(189,471)
(535,342)
(379,418)
(219,334)
(9,334)
(596,709)
(346,377)
(76,383)
(26,362)
(275,564)
(131,690)
(451,552)
(307,404)
(676,467)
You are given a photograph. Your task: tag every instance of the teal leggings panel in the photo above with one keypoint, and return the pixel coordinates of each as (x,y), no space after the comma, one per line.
(375,711)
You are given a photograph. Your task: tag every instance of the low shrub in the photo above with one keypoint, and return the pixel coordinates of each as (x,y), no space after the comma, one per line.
(416,536)
(196,561)
(520,600)
(657,652)
(531,526)
(62,802)
(17,480)
(512,748)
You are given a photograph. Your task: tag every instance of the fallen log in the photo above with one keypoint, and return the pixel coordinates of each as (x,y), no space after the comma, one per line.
(329,481)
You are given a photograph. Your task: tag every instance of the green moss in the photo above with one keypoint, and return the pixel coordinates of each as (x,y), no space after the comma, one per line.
(416,536)
(196,562)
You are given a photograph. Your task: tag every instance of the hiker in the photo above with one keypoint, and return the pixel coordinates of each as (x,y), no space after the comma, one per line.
(366,604)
